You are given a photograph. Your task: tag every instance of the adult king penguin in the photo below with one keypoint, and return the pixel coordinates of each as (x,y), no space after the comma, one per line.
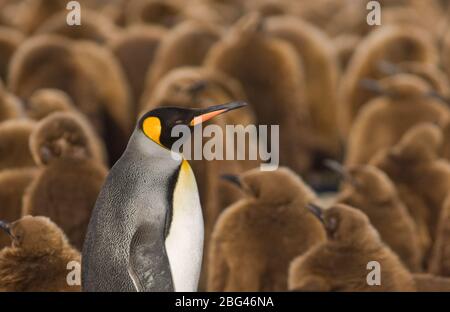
(146,230)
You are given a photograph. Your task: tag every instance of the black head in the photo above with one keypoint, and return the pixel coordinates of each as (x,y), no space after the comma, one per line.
(157,124)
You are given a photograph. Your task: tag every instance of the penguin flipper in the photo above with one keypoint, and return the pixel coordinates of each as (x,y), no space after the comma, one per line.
(148,265)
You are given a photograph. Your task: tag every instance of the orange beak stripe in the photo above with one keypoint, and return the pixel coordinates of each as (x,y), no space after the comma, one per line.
(202,118)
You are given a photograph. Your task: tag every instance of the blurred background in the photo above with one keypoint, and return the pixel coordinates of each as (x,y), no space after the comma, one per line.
(339,88)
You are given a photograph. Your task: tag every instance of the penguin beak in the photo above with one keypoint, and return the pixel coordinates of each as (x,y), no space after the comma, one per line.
(213,111)
(341,171)
(372,85)
(232,178)
(5,227)
(316,211)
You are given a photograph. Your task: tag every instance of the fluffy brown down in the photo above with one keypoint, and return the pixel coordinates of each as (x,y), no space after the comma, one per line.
(13,183)
(431,283)
(340,263)
(440,258)
(135,49)
(10,106)
(321,70)
(10,39)
(257,60)
(372,192)
(66,191)
(414,163)
(276,226)
(38,257)
(389,43)
(186,45)
(44,102)
(154,12)
(14,150)
(64,134)
(384,120)
(79,69)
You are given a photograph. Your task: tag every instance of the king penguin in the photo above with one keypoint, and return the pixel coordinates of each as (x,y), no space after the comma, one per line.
(146,229)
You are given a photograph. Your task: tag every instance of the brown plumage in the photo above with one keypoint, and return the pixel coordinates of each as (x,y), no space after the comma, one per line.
(321,70)
(135,49)
(255,238)
(371,191)
(345,46)
(13,183)
(414,163)
(186,45)
(94,26)
(65,134)
(431,283)
(404,102)
(446,53)
(38,257)
(258,60)
(70,178)
(340,263)
(14,149)
(440,257)
(389,43)
(10,106)
(10,39)
(44,102)
(155,12)
(79,69)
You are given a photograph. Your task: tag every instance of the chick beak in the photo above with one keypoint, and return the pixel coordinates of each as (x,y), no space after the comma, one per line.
(316,211)
(203,115)
(197,86)
(5,227)
(341,171)
(232,178)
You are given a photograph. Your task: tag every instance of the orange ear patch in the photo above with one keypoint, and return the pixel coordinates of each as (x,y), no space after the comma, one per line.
(152,128)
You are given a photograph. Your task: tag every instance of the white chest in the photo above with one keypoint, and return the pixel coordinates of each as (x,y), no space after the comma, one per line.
(184,244)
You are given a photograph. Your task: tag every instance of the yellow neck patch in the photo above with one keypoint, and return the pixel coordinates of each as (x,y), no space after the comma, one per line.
(152,128)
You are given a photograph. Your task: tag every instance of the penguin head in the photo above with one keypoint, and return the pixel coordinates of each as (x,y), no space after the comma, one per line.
(278,187)
(157,124)
(37,235)
(344,224)
(363,184)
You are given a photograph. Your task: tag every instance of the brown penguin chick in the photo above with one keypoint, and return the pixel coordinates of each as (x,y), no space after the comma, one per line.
(44,102)
(14,149)
(10,106)
(389,43)
(371,191)
(38,257)
(345,45)
(10,39)
(65,189)
(341,262)
(258,60)
(445,54)
(276,225)
(414,162)
(13,183)
(135,49)
(185,45)
(321,70)
(404,101)
(155,12)
(94,26)
(431,283)
(65,134)
(78,68)
(30,14)
(440,256)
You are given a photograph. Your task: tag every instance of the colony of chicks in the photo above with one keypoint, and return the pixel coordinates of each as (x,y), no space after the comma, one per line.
(363,111)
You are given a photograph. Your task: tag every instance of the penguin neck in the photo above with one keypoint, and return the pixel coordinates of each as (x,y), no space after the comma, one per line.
(139,143)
